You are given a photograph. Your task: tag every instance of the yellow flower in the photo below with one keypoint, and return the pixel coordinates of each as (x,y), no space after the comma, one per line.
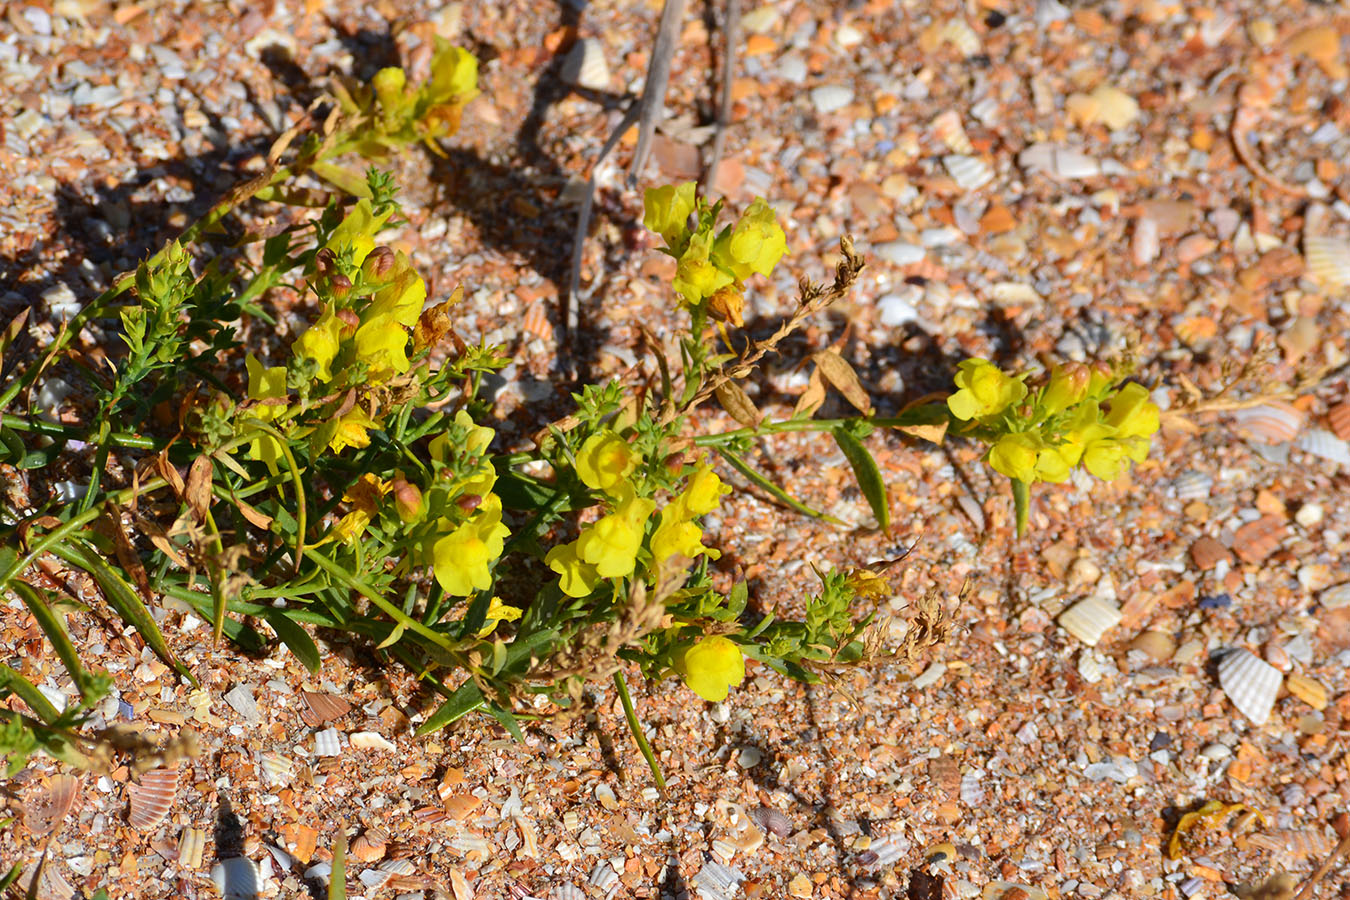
(1084,429)
(983,390)
(611,544)
(454,74)
(704,492)
(1015,455)
(1051,466)
(461,558)
(695,276)
(1106,459)
(605,461)
(577,578)
(388,84)
(320,343)
(357,231)
(675,534)
(712,667)
(364,497)
(1132,414)
(402,295)
(666,211)
(498,612)
(382,344)
(868,585)
(351,430)
(1068,385)
(265,384)
(756,244)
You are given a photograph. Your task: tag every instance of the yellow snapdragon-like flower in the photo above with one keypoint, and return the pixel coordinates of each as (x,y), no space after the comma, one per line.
(402,296)
(605,461)
(454,73)
(1068,384)
(351,430)
(265,383)
(576,577)
(983,390)
(757,242)
(611,544)
(1132,413)
(364,498)
(357,231)
(696,277)
(704,491)
(320,343)
(381,342)
(712,667)
(676,535)
(462,559)
(498,611)
(1015,455)
(666,211)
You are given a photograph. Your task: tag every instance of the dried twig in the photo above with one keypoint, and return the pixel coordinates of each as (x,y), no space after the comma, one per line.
(652,106)
(731,33)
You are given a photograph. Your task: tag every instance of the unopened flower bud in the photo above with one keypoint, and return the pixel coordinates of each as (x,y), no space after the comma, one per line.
(407,499)
(378,263)
(674,463)
(350,322)
(324,261)
(468,502)
(1101,378)
(340,285)
(1068,385)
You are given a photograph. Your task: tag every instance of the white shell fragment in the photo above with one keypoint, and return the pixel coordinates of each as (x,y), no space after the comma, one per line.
(1325,445)
(1335,597)
(1269,423)
(370,740)
(152,799)
(237,878)
(830,98)
(715,881)
(948,129)
(1058,162)
(1192,485)
(326,743)
(191,844)
(1251,683)
(1089,619)
(240,698)
(969,172)
(603,877)
(1328,260)
(275,769)
(585,66)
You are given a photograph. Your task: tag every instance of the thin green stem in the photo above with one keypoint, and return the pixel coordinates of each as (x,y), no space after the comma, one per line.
(636,728)
(790,425)
(72,433)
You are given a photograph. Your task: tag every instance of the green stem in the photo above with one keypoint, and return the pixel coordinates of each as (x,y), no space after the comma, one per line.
(1022,504)
(790,425)
(71,433)
(636,727)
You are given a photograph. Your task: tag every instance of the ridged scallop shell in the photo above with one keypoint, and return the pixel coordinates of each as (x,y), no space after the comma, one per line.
(276,770)
(1058,162)
(388,870)
(969,172)
(236,878)
(191,845)
(566,891)
(152,799)
(603,876)
(370,846)
(326,743)
(996,890)
(46,810)
(1322,443)
(1338,418)
(949,130)
(1335,597)
(321,708)
(772,821)
(1251,683)
(585,66)
(1192,485)
(1327,260)
(1089,619)
(1269,423)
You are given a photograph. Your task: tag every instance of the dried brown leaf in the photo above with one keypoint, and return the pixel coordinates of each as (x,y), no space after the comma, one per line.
(738,404)
(811,398)
(839,373)
(197,492)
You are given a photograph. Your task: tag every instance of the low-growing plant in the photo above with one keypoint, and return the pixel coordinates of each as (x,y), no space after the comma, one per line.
(345,481)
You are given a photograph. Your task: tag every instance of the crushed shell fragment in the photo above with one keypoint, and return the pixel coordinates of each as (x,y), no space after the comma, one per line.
(1251,683)
(152,799)
(1089,619)
(237,878)
(46,812)
(1309,690)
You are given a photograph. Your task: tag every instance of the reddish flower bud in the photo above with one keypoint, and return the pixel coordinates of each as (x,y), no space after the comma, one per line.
(378,263)
(468,502)
(408,500)
(340,285)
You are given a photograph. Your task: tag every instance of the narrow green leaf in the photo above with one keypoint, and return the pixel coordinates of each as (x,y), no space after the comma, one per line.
(25,690)
(466,698)
(55,629)
(507,721)
(343,179)
(11,876)
(477,614)
(122,598)
(295,637)
(865,469)
(763,482)
(337,878)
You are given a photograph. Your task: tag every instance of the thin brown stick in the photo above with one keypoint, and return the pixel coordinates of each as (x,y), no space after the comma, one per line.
(731,32)
(1306,891)
(652,106)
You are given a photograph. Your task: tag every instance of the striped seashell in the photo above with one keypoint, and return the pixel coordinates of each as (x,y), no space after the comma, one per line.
(152,799)
(882,853)
(1089,619)
(585,65)
(1327,260)
(1251,683)
(191,845)
(535,321)
(322,708)
(1324,445)
(1294,846)
(370,846)
(949,130)
(1255,541)
(46,811)
(327,743)
(1335,597)
(1270,423)
(996,890)
(386,872)
(961,36)
(566,891)
(1338,418)
(1192,485)
(275,769)
(716,880)
(50,883)
(724,850)
(603,877)
(1058,162)
(1089,668)
(237,878)
(969,172)
(772,821)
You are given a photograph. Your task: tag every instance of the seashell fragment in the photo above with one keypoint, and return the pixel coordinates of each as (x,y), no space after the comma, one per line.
(566,891)
(237,878)
(1325,445)
(969,172)
(1270,423)
(1144,242)
(370,740)
(1089,619)
(275,769)
(948,129)
(1336,597)
(191,844)
(326,743)
(585,66)
(997,890)
(321,708)
(1327,260)
(1058,162)
(370,845)
(1251,683)
(603,876)
(772,821)
(1255,541)
(1192,485)
(1338,418)
(45,812)
(152,799)
(1309,690)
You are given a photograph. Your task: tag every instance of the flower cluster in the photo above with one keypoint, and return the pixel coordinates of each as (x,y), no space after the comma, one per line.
(1081,415)
(712,266)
